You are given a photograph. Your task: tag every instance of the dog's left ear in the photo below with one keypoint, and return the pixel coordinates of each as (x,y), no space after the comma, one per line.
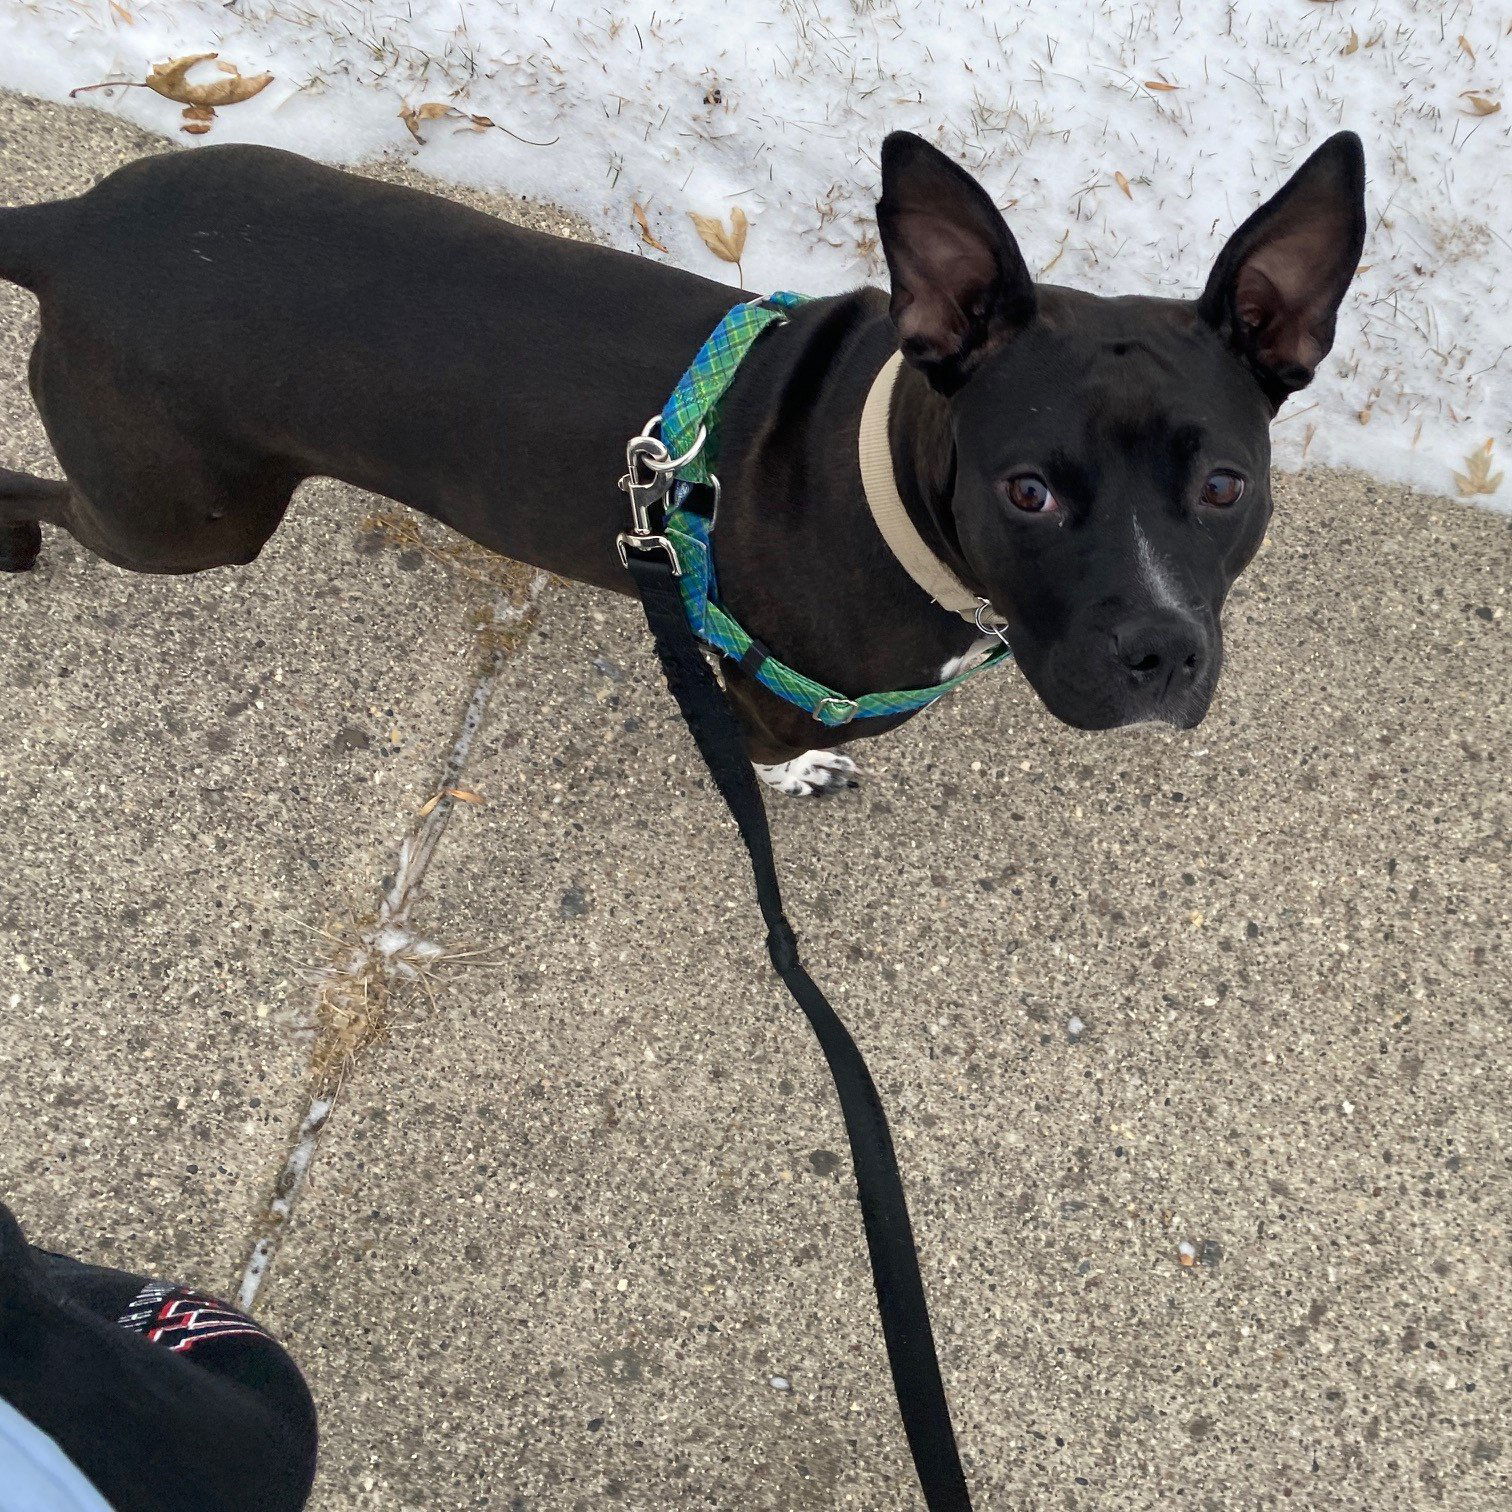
(959,284)
(1276,288)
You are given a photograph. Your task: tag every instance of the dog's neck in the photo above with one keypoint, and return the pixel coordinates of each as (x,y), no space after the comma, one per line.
(923,459)
(802,564)
(878,450)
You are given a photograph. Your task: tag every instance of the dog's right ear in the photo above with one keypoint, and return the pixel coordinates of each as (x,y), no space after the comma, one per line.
(1276,288)
(959,285)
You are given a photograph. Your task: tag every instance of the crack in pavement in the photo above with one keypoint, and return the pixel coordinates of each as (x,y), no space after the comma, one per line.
(387,952)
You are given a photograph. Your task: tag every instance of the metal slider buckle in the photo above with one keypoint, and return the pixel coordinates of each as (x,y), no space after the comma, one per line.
(851,707)
(629,540)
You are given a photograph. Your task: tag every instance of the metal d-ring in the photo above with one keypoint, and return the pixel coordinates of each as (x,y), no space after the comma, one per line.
(1000,631)
(667,463)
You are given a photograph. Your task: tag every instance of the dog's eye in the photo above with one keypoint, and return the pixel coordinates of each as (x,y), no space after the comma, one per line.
(1030,492)
(1222,489)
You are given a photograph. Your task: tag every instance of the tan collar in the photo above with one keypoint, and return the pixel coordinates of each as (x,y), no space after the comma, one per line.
(891,517)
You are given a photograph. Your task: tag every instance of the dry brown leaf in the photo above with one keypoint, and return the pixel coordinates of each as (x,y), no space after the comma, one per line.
(171,75)
(198,112)
(195,128)
(123,13)
(1466,48)
(171,81)
(1477,477)
(1351,46)
(432,110)
(1160,86)
(1479,104)
(645,226)
(465,795)
(1123,184)
(435,110)
(726,245)
(1365,414)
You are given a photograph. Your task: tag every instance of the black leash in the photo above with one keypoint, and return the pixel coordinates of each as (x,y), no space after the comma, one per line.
(884,1210)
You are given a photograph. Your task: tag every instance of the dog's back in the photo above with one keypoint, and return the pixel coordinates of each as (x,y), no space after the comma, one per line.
(219,323)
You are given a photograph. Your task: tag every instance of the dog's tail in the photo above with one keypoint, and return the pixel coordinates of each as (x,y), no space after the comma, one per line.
(27,235)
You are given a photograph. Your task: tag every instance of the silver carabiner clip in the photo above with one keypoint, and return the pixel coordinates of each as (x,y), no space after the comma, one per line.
(646,481)
(650,475)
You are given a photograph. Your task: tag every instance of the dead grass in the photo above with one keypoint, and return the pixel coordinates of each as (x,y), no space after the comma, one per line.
(406,531)
(376,975)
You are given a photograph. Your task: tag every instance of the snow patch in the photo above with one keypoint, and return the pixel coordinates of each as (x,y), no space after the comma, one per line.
(1124,142)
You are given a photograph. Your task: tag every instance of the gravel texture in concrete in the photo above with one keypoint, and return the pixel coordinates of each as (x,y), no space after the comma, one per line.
(1194,1043)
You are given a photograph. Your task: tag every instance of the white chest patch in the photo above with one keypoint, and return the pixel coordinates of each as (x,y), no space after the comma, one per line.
(973,656)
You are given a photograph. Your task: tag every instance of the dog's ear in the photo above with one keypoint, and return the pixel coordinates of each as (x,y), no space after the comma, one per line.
(1276,288)
(959,284)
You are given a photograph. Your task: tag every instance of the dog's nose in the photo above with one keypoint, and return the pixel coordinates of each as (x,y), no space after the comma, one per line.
(1159,650)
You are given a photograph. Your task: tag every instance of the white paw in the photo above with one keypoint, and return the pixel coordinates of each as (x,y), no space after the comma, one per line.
(805,775)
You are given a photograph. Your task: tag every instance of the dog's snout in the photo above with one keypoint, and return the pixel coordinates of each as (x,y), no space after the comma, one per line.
(1159,651)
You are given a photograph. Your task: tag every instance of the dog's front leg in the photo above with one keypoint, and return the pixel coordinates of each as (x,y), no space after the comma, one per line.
(791,750)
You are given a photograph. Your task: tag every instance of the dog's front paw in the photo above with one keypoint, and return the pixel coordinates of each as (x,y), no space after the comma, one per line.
(808,774)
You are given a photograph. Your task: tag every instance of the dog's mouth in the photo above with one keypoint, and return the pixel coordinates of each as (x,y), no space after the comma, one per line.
(1096,693)
(1183,717)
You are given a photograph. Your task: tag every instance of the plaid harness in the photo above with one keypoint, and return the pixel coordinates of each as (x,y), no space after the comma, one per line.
(694,406)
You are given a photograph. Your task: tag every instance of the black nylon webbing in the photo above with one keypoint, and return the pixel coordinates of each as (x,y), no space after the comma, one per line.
(884,1210)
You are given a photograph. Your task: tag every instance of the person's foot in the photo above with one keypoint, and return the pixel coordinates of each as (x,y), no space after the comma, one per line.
(20,1280)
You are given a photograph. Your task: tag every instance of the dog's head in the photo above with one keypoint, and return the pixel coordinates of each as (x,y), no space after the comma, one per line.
(1111,456)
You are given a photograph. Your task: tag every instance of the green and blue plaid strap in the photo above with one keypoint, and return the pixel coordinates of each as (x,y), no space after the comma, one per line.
(696,399)
(689,533)
(696,402)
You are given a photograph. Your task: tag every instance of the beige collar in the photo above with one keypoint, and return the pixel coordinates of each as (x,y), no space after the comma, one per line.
(891,517)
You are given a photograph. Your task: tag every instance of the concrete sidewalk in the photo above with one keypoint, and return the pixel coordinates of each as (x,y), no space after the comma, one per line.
(580,1230)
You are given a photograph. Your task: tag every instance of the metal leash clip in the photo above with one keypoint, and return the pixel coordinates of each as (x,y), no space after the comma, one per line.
(650,472)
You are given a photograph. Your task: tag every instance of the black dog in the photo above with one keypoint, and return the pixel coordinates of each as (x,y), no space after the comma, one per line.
(163,1399)
(218,325)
